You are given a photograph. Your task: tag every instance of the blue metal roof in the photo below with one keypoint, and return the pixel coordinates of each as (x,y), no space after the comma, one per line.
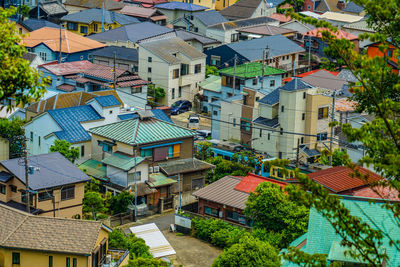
(95,14)
(295,84)
(353,8)
(159,114)
(274,3)
(36,24)
(180,6)
(273,123)
(128,116)
(272,98)
(69,120)
(125,53)
(107,101)
(210,17)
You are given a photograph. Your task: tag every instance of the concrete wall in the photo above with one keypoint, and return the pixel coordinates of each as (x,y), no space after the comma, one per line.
(4,149)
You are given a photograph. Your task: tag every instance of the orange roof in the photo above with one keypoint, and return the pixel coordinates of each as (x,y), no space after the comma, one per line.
(281,17)
(345,104)
(251,181)
(305,74)
(339,34)
(71,42)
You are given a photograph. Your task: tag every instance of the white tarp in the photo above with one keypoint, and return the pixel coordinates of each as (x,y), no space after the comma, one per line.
(154,238)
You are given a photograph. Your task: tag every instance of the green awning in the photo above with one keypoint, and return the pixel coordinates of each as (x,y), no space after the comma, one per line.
(122,162)
(158,179)
(94,168)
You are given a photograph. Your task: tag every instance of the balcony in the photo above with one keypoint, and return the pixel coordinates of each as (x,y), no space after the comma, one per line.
(115,258)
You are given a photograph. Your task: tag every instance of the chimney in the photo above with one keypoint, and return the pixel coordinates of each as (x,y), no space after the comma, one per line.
(341,5)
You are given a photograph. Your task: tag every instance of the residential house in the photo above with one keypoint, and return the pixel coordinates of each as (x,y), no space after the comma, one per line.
(322,238)
(12,114)
(226,198)
(265,30)
(283,53)
(178,10)
(375,51)
(246,9)
(322,6)
(202,20)
(130,35)
(32,24)
(56,185)
(34,60)
(298,27)
(227,32)
(46,43)
(49,10)
(282,18)
(145,3)
(74,6)
(145,14)
(71,124)
(221,4)
(95,20)
(339,19)
(353,9)
(357,28)
(173,65)
(318,45)
(28,240)
(210,4)
(323,79)
(125,58)
(211,90)
(296,107)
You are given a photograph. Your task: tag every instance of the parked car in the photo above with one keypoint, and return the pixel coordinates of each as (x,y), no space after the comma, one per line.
(193,122)
(180,106)
(203,134)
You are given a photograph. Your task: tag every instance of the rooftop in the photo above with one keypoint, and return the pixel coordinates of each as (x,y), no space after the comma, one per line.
(124,53)
(251,70)
(336,16)
(55,170)
(94,168)
(173,5)
(53,8)
(339,34)
(137,11)
(110,4)
(352,7)
(88,16)
(107,101)
(50,37)
(265,30)
(324,79)
(210,17)
(273,123)
(272,98)
(137,132)
(212,83)
(66,68)
(242,9)
(122,162)
(159,179)
(295,84)
(281,17)
(184,166)
(250,182)
(36,24)
(240,23)
(361,25)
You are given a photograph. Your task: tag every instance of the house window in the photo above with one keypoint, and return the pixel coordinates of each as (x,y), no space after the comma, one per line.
(50,261)
(84,29)
(280,155)
(195,28)
(215,60)
(39,141)
(2,189)
(272,83)
(210,211)
(43,196)
(302,140)
(13,188)
(95,27)
(322,136)
(215,113)
(245,126)
(180,91)
(16,258)
(184,69)
(308,7)
(245,100)
(72,26)
(146,153)
(68,262)
(106,147)
(389,53)
(234,122)
(197,68)
(234,216)
(234,37)
(74,262)
(134,178)
(149,59)
(149,70)
(80,85)
(175,74)
(304,95)
(269,136)
(82,151)
(282,108)
(136,90)
(260,133)
(68,193)
(323,113)
(149,79)
(303,116)
(82,57)
(31,133)
(174,151)
(255,81)
(43,56)
(213,99)
(281,131)
(173,93)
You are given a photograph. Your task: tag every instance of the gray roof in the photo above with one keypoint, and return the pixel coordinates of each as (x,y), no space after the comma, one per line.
(110,4)
(325,79)
(36,24)
(165,48)
(240,23)
(132,32)
(353,8)
(54,170)
(278,45)
(210,17)
(95,14)
(173,167)
(295,84)
(53,8)
(241,9)
(309,152)
(273,123)
(272,98)
(361,25)
(29,56)
(124,53)
(223,192)
(347,75)
(187,36)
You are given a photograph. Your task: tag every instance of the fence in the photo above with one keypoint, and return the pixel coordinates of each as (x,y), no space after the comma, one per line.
(197,215)
(121,218)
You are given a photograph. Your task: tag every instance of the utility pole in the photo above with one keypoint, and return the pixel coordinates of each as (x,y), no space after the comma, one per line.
(309,53)
(180,197)
(60,54)
(135,185)
(115,74)
(28,201)
(234,74)
(294,67)
(38,15)
(102,17)
(265,56)
(297,153)
(332,120)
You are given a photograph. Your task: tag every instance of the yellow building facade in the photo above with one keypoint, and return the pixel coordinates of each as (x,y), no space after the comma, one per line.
(91,28)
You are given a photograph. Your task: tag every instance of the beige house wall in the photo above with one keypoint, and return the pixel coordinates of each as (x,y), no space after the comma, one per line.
(4,149)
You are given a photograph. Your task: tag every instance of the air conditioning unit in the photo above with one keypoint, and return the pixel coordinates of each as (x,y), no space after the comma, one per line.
(150,169)
(156,168)
(108,259)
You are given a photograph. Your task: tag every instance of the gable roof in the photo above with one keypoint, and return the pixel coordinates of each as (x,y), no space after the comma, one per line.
(124,53)
(66,68)
(148,3)
(361,25)
(327,5)
(69,119)
(251,70)
(242,9)
(122,162)
(273,123)
(107,101)
(295,84)
(132,32)
(173,5)
(72,42)
(21,230)
(272,98)
(160,115)
(98,15)
(352,7)
(324,79)
(165,48)
(240,23)
(53,8)
(188,36)
(137,131)
(281,17)
(278,45)
(138,11)
(184,166)
(250,182)
(35,24)
(210,17)
(336,16)
(265,30)
(55,170)
(339,34)
(212,83)
(338,179)
(110,4)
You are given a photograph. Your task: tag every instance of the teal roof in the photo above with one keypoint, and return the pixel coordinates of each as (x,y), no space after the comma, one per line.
(212,83)
(94,168)
(122,162)
(137,131)
(322,238)
(159,179)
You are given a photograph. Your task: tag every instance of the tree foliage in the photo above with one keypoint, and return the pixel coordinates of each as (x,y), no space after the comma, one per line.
(140,262)
(11,130)
(136,246)
(226,167)
(25,10)
(155,92)
(17,79)
(119,203)
(65,148)
(203,150)
(93,203)
(211,70)
(339,157)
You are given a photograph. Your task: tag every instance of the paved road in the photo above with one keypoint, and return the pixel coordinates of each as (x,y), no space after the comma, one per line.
(162,221)
(182,120)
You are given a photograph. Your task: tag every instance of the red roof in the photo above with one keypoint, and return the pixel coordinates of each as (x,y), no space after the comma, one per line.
(66,87)
(339,179)
(339,34)
(67,68)
(377,192)
(305,74)
(281,17)
(251,181)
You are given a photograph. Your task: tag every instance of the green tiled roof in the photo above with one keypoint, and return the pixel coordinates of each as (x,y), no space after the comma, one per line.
(137,131)
(159,179)
(122,162)
(251,70)
(212,83)
(94,168)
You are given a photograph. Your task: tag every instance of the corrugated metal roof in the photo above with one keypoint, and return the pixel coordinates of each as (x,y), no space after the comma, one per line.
(159,179)
(94,168)
(122,162)
(273,123)
(250,182)
(251,70)
(136,131)
(125,53)
(67,68)
(210,17)
(107,101)
(180,6)
(96,15)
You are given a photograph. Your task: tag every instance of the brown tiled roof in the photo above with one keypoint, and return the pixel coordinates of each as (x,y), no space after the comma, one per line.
(173,167)
(111,4)
(266,30)
(66,87)
(66,68)
(223,192)
(138,11)
(242,9)
(24,231)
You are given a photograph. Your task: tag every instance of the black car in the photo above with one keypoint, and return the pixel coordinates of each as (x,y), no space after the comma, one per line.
(181,106)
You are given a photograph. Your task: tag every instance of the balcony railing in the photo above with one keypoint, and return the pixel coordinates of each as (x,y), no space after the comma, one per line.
(115,258)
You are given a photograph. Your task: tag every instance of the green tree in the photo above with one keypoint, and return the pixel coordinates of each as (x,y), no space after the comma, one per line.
(203,150)
(11,130)
(17,79)
(119,203)
(136,246)
(93,203)
(25,11)
(211,70)
(249,252)
(92,186)
(339,157)
(155,92)
(226,167)
(296,4)
(272,210)
(64,147)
